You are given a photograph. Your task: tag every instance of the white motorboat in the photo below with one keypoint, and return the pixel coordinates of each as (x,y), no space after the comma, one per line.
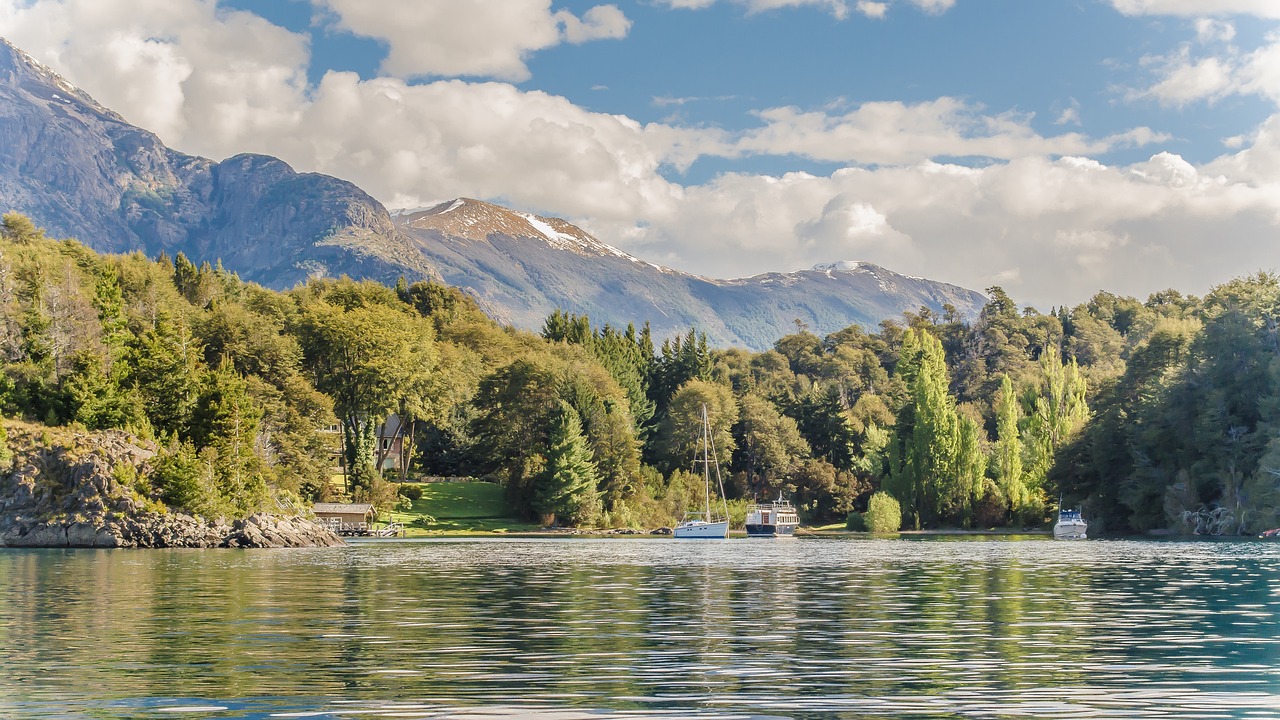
(706,524)
(775,519)
(1070,526)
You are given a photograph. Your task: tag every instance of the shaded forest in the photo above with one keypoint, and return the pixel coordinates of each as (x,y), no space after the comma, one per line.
(1155,415)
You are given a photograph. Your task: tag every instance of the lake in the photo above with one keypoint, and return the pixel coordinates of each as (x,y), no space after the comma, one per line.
(567,629)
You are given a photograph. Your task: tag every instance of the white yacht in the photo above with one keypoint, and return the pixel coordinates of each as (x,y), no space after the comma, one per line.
(706,524)
(1070,526)
(775,519)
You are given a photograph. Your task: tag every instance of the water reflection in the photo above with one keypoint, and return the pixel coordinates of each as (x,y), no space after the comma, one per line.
(566,629)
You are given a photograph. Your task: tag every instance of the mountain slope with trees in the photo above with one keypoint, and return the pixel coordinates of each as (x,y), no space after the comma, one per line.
(1156,416)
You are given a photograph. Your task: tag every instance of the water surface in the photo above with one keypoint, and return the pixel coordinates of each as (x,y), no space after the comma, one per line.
(647,628)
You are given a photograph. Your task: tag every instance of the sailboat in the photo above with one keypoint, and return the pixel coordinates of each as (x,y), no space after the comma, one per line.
(705,524)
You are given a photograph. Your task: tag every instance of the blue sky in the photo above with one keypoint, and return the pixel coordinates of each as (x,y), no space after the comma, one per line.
(1055,147)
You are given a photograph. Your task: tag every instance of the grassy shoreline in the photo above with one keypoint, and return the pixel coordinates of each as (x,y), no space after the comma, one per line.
(477,509)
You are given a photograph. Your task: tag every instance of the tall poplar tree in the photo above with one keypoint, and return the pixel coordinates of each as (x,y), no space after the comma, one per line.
(1007,453)
(1059,410)
(925,472)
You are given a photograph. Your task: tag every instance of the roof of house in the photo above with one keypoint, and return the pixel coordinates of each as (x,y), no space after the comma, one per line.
(343,508)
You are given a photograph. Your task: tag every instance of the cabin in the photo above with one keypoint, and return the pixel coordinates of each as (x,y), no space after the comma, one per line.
(346,518)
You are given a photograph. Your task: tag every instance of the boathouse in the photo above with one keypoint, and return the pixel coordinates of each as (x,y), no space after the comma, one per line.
(346,518)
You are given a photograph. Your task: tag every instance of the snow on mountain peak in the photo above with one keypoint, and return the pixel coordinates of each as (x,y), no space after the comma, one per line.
(477,221)
(844,266)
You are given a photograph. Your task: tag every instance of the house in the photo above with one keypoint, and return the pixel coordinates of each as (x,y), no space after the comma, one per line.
(391,443)
(388,452)
(346,518)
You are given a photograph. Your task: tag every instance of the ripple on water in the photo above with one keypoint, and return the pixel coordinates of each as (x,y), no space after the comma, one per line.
(647,628)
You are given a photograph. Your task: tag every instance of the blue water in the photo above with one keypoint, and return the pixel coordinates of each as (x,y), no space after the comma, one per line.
(550,629)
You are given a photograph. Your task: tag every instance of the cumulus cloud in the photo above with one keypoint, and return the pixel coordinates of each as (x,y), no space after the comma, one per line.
(1209,30)
(898,133)
(1039,216)
(1051,231)
(486,38)
(1199,8)
(164,64)
(602,22)
(876,10)
(1184,78)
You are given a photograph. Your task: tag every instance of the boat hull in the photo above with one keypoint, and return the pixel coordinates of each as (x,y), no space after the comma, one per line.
(1070,531)
(755,530)
(702,530)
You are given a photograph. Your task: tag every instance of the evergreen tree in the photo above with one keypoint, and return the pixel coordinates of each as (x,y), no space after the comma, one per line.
(566,488)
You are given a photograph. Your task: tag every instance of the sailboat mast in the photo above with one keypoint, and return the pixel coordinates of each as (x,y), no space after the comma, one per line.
(706,461)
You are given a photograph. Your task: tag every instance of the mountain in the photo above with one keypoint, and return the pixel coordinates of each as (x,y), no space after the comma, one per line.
(521,267)
(80,170)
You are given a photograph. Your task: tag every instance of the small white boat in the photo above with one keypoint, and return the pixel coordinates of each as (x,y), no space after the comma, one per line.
(706,524)
(775,519)
(1070,526)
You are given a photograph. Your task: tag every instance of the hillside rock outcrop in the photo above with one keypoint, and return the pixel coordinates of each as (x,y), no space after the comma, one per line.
(76,490)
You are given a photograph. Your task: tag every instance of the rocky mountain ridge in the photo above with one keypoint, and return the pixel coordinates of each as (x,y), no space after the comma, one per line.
(80,170)
(521,267)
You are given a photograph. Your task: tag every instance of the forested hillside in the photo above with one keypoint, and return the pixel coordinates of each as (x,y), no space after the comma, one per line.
(1156,415)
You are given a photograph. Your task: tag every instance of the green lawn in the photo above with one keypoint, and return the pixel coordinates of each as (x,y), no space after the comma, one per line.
(460,508)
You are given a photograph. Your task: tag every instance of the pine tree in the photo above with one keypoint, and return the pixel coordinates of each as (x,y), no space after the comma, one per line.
(566,490)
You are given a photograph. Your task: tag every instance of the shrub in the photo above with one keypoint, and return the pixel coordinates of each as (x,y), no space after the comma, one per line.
(855,522)
(413,492)
(884,514)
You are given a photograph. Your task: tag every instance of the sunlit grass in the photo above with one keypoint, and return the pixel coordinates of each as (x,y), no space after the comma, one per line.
(457,508)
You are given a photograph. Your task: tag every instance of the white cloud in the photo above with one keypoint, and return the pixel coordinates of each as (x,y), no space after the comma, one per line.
(485,38)
(163,64)
(876,10)
(838,8)
(934,6)
(1209,30)
(1184,79)
(602,22)
(1070,115)
(1069,227)
(899,133)
(1199,8)
(1042,218)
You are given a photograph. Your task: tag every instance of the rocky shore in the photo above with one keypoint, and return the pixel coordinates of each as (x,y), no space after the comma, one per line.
(68,492)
